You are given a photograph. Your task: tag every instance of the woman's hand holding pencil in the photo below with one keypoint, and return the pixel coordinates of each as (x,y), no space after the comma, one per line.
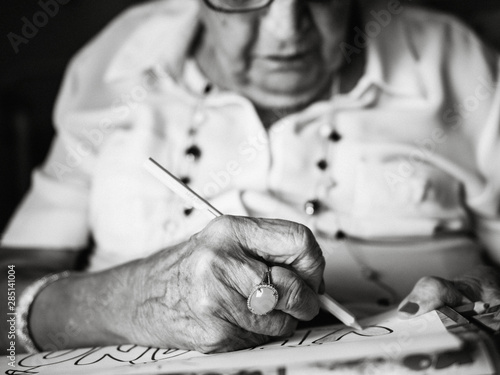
(193,199)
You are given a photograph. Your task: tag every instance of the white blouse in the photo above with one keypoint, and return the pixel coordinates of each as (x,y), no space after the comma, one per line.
(404,169)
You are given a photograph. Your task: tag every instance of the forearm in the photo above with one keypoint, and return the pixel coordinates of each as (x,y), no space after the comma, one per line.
(19,268)
(85,309)
(68,313)
(81,310)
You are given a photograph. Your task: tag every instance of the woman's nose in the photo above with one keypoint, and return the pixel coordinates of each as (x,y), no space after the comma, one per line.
(287,19)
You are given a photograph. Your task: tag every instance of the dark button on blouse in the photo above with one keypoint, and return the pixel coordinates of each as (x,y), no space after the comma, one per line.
(322,164)
(312,206)
(335,136)
(340,235)
(193,152)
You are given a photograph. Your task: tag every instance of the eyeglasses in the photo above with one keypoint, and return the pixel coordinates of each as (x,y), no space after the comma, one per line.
(241,6)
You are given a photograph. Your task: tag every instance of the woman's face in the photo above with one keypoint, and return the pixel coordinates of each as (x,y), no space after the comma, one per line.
(279,56)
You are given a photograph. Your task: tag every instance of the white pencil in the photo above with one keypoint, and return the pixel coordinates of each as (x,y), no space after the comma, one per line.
(193,199)
(179,188)
(340,312)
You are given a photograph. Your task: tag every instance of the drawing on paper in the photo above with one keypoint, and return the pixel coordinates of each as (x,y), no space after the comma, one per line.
(339,334)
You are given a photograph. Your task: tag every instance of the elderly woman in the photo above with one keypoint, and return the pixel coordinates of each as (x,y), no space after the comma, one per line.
(374,133)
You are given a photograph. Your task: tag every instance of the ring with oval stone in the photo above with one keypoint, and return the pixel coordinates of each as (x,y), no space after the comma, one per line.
(264,296)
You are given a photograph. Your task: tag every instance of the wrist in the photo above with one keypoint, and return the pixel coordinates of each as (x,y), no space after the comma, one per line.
(75,312)
(24,309)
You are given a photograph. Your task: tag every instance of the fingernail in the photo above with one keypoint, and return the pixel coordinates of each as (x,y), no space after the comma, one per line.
(410,308)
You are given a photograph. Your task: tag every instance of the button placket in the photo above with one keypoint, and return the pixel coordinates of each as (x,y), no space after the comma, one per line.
(329,135)
(193,151)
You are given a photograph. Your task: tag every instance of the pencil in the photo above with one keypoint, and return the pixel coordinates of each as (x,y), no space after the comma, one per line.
(473,308)
(179,188)
(191,197)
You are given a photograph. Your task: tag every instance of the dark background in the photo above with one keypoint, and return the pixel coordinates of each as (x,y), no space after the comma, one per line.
(29,79)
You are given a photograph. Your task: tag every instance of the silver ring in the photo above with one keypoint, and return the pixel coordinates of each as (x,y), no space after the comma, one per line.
(264,296)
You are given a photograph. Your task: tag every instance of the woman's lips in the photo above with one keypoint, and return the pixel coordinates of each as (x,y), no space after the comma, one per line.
(287,57)
(287,60)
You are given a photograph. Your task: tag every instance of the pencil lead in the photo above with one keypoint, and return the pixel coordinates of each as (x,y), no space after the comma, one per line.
(356,326)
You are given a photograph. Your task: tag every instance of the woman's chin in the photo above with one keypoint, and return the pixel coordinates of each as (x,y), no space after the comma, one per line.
(285,95)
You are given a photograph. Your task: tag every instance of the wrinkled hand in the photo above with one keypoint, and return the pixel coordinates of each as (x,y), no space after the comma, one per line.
(194,295)
(430,293)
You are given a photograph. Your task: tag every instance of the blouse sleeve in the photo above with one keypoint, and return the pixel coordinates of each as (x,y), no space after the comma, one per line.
(486,206)
(92,103)
(53,214)
(470,104)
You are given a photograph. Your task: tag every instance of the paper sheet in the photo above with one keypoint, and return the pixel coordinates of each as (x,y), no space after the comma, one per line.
(384,336)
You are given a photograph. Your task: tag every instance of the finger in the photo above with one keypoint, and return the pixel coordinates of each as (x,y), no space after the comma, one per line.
(241,274)
(296,298)
(238,278)
(276,323)
(231,338)
(245,339)
(481,284)
(429,294)
(277,242)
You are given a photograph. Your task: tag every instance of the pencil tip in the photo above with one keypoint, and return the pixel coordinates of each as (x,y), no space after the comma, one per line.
(356,326)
